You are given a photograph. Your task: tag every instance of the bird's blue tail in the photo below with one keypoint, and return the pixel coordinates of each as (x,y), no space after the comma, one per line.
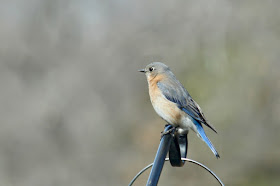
(204,137)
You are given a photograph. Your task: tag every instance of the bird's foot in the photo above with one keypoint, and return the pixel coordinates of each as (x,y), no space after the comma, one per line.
(169,131)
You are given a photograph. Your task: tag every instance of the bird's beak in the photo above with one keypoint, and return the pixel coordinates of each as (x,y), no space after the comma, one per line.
(142,70)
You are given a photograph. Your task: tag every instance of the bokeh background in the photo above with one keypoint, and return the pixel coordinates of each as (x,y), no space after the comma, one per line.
(75,111)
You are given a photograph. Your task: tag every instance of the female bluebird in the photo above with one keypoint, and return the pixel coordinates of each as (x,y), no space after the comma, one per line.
(173,103)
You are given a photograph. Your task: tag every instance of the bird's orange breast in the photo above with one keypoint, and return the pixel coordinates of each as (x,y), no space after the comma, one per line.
(164,108)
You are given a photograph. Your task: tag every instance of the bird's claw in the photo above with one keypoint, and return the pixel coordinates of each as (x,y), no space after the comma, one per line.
(169,131)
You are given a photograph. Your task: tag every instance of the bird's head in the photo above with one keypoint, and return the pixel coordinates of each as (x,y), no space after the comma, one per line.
(154,69)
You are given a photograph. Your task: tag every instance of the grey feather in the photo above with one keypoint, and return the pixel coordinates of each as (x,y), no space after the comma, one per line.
(174,91)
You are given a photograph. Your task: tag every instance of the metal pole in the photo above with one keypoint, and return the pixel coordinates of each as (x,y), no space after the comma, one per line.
(160,157)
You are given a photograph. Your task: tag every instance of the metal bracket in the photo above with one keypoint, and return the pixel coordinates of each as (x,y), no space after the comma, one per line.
(178,149)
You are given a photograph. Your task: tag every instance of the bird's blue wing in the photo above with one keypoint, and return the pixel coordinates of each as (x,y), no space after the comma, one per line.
(175,92)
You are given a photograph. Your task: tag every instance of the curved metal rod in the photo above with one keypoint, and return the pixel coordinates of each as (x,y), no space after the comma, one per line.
(139,173)
(186,159)
(203,166)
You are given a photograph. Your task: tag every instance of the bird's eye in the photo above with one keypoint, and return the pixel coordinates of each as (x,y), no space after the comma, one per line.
(151,69)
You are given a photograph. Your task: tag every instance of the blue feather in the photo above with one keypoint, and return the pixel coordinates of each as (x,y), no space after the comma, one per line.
(202,134)
(190,113)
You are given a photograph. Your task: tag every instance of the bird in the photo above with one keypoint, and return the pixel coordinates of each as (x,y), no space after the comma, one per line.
(173,103)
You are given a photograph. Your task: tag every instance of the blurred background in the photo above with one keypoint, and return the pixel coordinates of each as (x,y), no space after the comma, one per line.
(75,111)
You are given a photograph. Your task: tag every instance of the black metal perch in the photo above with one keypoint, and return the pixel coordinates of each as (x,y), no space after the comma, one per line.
(177,147)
